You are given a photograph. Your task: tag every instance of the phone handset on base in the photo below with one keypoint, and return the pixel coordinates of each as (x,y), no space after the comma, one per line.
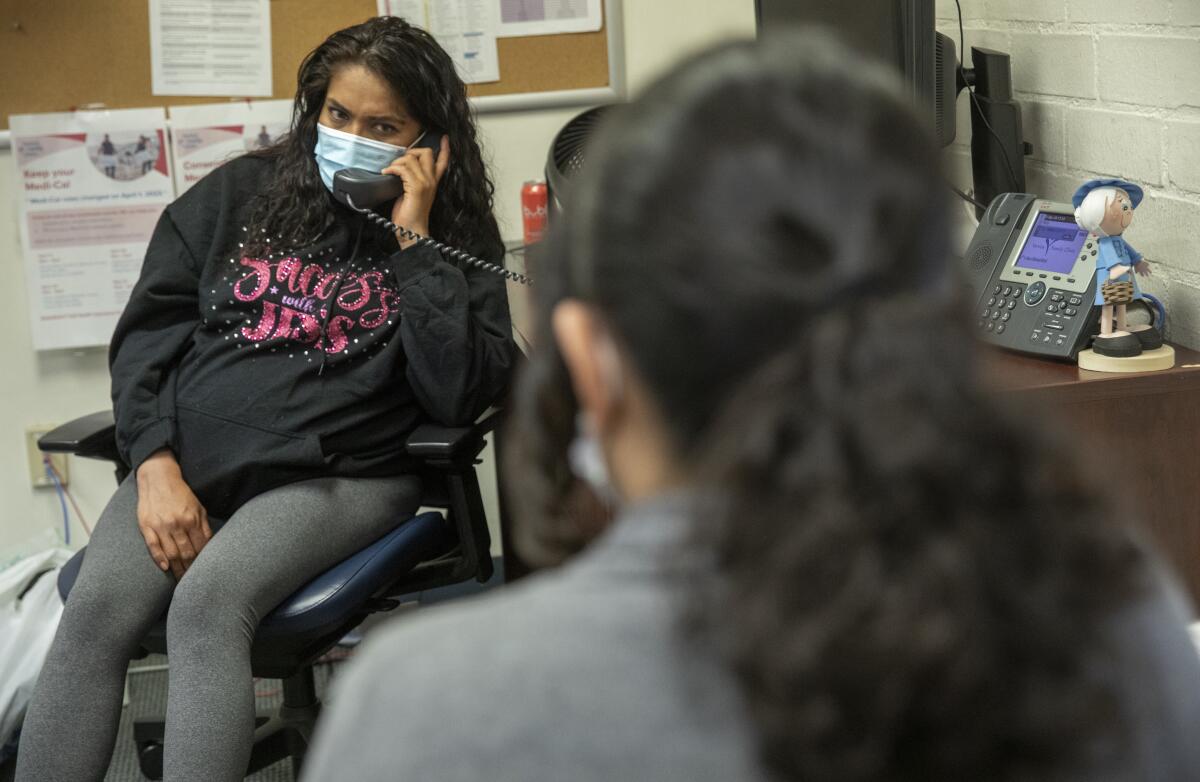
(361,190)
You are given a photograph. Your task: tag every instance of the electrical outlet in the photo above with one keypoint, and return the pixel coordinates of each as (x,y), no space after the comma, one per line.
(37,467)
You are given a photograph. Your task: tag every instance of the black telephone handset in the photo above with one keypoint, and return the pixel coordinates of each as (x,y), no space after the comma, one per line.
(359,188)
(362,190)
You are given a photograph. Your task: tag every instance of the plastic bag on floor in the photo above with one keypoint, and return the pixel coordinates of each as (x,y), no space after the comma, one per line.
(29,612)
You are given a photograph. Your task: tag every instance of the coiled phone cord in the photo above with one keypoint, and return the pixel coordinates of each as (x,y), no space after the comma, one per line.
(444,249)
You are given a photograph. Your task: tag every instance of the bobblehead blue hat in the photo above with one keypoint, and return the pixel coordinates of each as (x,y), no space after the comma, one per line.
(1134,191)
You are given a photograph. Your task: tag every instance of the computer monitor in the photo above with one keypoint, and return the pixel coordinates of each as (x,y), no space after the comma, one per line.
(900,32)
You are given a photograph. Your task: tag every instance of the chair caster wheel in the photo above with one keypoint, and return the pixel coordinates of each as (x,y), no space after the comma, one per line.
(150,758)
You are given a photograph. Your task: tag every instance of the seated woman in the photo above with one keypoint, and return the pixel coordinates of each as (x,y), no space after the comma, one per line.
(835,557)
(274,355)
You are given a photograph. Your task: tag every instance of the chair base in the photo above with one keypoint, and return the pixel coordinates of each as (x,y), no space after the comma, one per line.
(284,734)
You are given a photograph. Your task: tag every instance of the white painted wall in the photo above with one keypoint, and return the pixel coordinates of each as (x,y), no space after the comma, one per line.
(52,387)
(1107,88)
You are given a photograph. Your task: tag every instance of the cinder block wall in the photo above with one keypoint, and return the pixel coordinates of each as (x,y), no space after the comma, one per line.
(1107,88)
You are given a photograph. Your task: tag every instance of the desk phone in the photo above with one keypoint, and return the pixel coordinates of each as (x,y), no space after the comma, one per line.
(1030,271)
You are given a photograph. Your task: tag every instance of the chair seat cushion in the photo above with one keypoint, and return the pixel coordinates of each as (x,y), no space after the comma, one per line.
(332,597)
(342,589)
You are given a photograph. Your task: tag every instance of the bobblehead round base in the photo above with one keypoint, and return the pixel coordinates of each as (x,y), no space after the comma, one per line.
(1149,361)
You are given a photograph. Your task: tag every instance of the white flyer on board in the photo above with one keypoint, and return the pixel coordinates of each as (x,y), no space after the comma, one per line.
(548,17)
(91,187)
(466,29)
(210,47)
(205,136)
(411,10)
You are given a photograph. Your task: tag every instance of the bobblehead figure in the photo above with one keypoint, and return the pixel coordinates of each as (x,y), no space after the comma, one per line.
(1105,207)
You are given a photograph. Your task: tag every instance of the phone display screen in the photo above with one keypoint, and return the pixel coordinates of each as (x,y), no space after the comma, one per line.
(1053,244)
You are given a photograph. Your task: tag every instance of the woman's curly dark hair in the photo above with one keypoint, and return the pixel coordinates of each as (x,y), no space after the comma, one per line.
(904,577)
(295,203)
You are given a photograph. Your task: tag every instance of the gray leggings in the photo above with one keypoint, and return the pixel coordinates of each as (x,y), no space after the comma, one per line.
(270,547)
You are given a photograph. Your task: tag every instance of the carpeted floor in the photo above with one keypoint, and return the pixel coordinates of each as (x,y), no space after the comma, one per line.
(148,699)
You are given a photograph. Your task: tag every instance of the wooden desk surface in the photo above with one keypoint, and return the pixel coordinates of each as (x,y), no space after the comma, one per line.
(1012,372)
(1142,430)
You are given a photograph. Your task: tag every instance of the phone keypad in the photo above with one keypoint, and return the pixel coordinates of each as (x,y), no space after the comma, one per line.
(1056,310)
(999,308)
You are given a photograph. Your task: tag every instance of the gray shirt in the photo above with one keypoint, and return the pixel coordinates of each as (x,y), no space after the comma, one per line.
(577,673)
(581,674)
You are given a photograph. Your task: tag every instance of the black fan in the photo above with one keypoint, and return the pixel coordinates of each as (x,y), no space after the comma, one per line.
(567,155)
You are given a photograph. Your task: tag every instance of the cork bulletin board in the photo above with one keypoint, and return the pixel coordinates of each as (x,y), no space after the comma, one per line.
(57,55)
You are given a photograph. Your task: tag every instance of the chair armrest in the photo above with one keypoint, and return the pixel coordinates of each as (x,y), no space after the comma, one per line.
(439,442)
(432,441)
(449,455)
(93,436)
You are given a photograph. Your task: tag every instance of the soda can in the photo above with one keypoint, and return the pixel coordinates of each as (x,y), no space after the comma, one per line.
(533,210)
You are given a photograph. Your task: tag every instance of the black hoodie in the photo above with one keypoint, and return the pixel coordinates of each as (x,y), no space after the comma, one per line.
(314,361)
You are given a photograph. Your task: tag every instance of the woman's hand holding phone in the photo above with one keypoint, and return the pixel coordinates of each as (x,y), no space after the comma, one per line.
(421,173)
(173,522)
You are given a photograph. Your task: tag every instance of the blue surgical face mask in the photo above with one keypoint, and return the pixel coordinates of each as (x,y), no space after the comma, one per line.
(337,150)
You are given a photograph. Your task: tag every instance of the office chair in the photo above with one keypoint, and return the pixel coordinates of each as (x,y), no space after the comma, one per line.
(426,551)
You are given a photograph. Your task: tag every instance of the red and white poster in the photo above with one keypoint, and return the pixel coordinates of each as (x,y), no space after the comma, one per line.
(203,137)
(92,185)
